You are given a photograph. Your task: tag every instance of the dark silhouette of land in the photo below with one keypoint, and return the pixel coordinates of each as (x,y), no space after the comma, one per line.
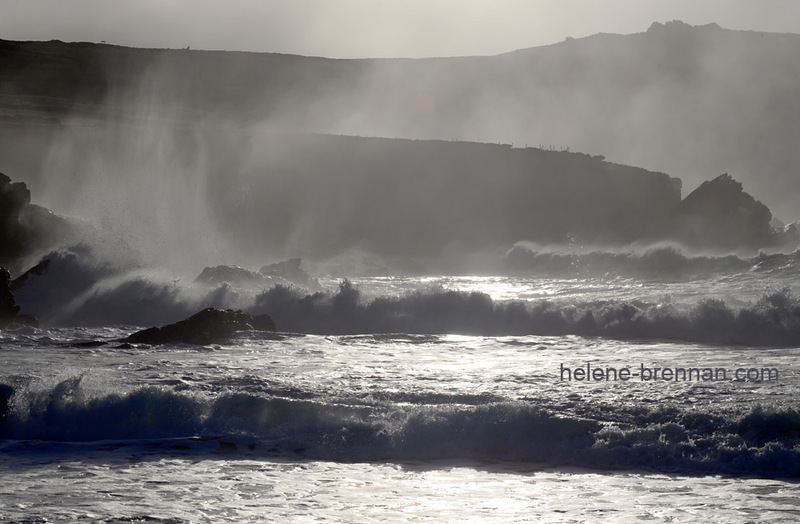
(690,101)
(234,146)
(411,202)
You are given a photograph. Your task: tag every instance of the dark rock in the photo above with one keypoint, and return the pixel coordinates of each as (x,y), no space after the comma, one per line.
(233,275)
(721,215)
(25,228)
(6,392)
(288,270)
(85,344)
(8,307)
(206,327)
(27,319)
(227,446)
(14,197)
(37,270)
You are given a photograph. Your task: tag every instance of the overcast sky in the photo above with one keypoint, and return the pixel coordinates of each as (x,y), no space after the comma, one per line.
(370,28)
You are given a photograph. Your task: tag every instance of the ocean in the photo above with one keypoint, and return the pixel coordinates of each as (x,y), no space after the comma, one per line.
(569,387)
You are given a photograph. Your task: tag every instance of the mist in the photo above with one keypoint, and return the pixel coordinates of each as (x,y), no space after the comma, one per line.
(367,29)
(195,159)
(347,258)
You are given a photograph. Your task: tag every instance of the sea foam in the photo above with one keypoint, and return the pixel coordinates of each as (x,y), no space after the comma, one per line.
(760,441)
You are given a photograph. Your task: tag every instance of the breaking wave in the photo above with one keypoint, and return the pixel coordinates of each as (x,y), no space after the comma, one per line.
(76,288)
(80,287)
(759,442)
(774,320)
(656,263)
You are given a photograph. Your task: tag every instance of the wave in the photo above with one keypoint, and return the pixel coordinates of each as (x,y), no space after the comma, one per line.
(79,286)
(760,442)
(660,263)
(774,320)
(79,289)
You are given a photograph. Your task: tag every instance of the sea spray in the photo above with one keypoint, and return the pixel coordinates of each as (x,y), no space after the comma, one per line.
(774,320)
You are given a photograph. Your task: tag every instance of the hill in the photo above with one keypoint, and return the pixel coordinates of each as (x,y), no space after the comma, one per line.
(690,101)
(217,193)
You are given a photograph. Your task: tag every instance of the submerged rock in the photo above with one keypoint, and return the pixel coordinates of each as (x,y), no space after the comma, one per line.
(206,327)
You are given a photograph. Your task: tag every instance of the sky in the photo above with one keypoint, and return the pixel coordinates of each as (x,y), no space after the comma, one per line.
(371,28)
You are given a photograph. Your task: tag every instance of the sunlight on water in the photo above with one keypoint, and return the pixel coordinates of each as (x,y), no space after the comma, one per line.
(399,325)
(251,491)
(600,288)
(404,426)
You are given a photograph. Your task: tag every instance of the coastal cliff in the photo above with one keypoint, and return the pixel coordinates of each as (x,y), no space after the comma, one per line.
(675,98)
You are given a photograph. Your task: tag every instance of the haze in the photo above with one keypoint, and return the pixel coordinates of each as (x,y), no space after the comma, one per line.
(198,157)
(371,28)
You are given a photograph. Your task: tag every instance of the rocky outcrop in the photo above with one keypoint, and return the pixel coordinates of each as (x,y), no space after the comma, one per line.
(284,272)
(721,215)
(25,228)
(8,307)
(234,275)
(206,327)
(14,198)
(290,271)
(37,270)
